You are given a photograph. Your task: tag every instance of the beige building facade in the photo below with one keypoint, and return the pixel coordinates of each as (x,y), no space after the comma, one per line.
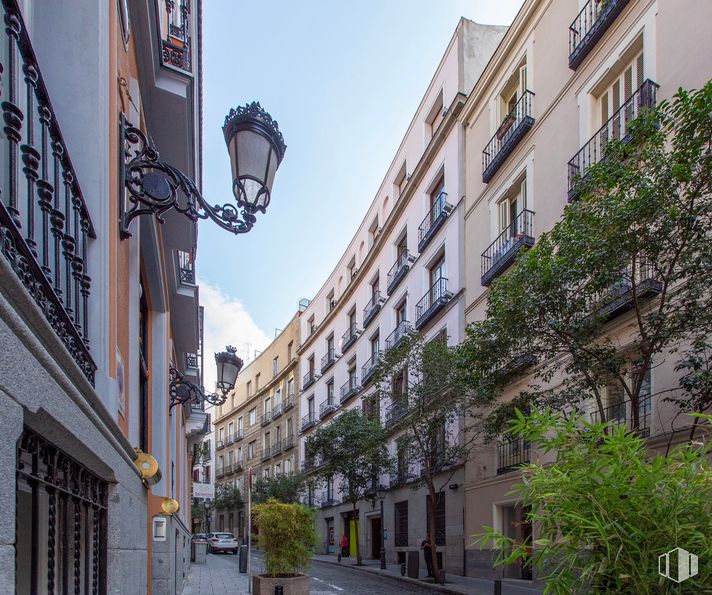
(257,428)
(565,75)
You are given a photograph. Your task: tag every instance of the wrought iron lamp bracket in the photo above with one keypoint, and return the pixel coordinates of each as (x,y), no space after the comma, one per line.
(154,187)
(183,391)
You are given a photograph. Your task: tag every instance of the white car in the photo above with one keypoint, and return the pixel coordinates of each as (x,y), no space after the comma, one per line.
(222,542)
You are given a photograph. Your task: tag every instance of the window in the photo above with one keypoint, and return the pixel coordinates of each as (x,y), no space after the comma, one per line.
(221,435)
(277,397)
(290,387)
(351,318)
(230,431)
(400,514)
(375,346)
(400,181)
(437,271)
(400,383)
(618,91)
(251,450)
(239,454)
(352,372)
(240,427)
(374,291)
(288,466)
(230,457)
(435,202)
(509,208)
(257,382)
(278,469)
(439,517)
(402,247)
(511,93)
(330,301)
(312,366)
(277,434)
(267,406)
(290,348)
(265,441)
(275,366)
(221,463)
(249,388)
(401,312)
(290,429)
(310,406)
(253,416)
(351,269)
(436,116)
(330,391)
(330,346)
(373,232)
(311,327)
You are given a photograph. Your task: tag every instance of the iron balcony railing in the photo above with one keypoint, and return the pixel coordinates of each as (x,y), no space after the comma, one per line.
(239,434)
(230,439)
(266,452)
(289,441)
(512,129)
(228,469)
(277,410)
(369,368)
(327,407)
(371,407)
(401,539)
(589,26)
(501,253)
(186,269)
(327,499)
(349,389)
(277,447)
(511,453)
(395,338)
(266,418)
(433,220)
(289,402)
(398,270)
(308,380)
(239,468)
(219,444)
(397,409)
(308,421)
(372,308)
(431,303)
(175,48)
(220,472)
(401,476)
(192,361)
(617,127)
(328,360)
(45,227)
(621,415)
(349,337)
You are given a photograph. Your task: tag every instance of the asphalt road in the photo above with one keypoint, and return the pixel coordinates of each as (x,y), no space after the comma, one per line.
(330,579)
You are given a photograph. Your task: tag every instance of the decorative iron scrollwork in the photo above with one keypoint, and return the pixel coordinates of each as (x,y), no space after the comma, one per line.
(154,187)
(183,391)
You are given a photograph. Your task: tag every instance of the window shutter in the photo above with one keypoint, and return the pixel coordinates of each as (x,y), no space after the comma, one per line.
(639,70)
(628,83)
(503,214)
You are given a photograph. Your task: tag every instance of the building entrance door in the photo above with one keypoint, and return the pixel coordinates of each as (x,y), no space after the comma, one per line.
(376,538)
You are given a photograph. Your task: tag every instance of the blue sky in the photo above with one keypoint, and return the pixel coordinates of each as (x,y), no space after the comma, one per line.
(343,79)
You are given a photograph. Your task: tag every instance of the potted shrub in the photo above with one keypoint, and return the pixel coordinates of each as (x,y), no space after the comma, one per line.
(287,537)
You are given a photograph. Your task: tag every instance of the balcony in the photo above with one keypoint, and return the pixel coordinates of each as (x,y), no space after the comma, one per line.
(639,284)
(589,26)
(433,220)
(239,435)
(328,360)
(186,268)
(371,407)
(266,419)
(512,130)
(219,444)
(230,439)
(238,468)
(266,452)
(289,442)
(398,334)
(400,477)
(520,358)
(220,472)
(308,380)
(327,407)
(349,337)
(432,302)
(45,225)
(308,421)
(621,415)
(349,389)
(396,410)
(327,500)
(368,369)
(277,410)
(399,270)
(511,453)
(594,151)
(501,253)
(277,447)
(228,470)
(176,45)
(289,402)
(372,308)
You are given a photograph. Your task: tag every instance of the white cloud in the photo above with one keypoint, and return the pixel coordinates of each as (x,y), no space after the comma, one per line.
(227,322)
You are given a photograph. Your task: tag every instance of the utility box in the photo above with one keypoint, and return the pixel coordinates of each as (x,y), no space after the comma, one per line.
(201,551)
(414,564)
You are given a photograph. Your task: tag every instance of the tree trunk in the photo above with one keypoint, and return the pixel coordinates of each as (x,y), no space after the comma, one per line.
(359,561)
(432,525)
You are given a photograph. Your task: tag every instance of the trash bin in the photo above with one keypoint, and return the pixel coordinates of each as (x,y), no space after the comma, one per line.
(243,558)
(414,564)
(201,551)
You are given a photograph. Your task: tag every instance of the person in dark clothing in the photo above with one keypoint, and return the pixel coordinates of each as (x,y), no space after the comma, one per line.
(344,546)
(427,546)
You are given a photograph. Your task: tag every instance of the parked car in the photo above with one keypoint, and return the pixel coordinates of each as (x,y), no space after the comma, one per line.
(199,538)
(222,542)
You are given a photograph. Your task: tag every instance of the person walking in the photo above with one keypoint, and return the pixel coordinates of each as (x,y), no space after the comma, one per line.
(344,546)
(427,546)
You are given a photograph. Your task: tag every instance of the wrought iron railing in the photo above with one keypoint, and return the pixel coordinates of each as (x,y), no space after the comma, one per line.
(501,253)
(266,418)
(309,379)
(436,295)
(277,447)
(308,421)
(437,214)
(617,127)
(369,367)
(349,337)
(589,25)
(371,407)
(266,452)
(277,410)
(328,360)
(45,227)
(398,334)
(398,270)
(289,402)
(401,539)
(511,453)
(510,132)
(175,48)
(349,388)
(289,441)
(186,268)
(620,414)
(397,409)
(372,307)
(327,407)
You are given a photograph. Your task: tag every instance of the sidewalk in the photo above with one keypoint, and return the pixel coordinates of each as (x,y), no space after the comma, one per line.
(218,576)
(453,583)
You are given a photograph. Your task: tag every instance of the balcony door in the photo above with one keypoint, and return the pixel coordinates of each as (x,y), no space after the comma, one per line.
(618,91)
(510,207)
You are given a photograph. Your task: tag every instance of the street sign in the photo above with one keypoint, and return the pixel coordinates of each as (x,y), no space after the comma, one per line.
(203,490)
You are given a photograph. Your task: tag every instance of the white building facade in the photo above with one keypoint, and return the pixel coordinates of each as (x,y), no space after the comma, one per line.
(404,268)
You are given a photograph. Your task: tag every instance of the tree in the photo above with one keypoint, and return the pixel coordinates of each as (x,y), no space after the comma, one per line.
(638,238)
(350,450)
(227,497)
(285,488)
(606,510)
(427,411)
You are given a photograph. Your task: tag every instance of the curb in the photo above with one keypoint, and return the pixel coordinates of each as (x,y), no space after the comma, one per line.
(403,579)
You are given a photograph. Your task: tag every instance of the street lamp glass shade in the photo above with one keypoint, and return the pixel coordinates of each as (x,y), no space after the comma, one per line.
(229,366)
(380,492)
(256,148)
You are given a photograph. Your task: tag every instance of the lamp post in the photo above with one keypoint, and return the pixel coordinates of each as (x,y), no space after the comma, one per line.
(381,495)
(206,507)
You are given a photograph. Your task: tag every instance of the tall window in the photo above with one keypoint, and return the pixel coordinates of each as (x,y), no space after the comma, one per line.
(330,391)
(330,301)
(230,431)
(437,271)
(618,92)
(374,290)
(312,366)
(290,348)
(290,429)
(277,397)
(439,518)
(511,205)
(329,346)
(253,416)
(257,382)
(400,514)
(221,435)
(401,310)
(310,407)
(402,247)
(375,345)
(290,387)
(352,320)
(240,427)
(267,406)
(251,450)
(249,388)
(275,366)
(436,203)
(513,90)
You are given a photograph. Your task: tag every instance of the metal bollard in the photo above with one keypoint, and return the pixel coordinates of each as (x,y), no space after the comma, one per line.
(278,590)
(497,587)
(402,568)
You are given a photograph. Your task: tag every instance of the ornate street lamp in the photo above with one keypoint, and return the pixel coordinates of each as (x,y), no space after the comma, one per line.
(256,147)
(184,391)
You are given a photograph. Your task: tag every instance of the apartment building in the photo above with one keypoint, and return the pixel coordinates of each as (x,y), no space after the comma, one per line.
(97,478)
(402,269)
(257,427)
(566,77)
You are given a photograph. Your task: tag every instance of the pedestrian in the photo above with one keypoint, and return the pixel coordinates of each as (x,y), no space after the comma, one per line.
(427,546)
(344,546)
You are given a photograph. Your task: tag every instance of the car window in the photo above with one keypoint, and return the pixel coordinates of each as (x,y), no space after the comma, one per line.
(224,536)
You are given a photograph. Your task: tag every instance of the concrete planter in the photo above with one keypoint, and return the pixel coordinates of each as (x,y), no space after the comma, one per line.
(293,585)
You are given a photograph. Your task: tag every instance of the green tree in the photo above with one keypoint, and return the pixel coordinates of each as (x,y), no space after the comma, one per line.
(637,237)
(285,488)
(227,497)
(606,509)
(426,414)
(350,451)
